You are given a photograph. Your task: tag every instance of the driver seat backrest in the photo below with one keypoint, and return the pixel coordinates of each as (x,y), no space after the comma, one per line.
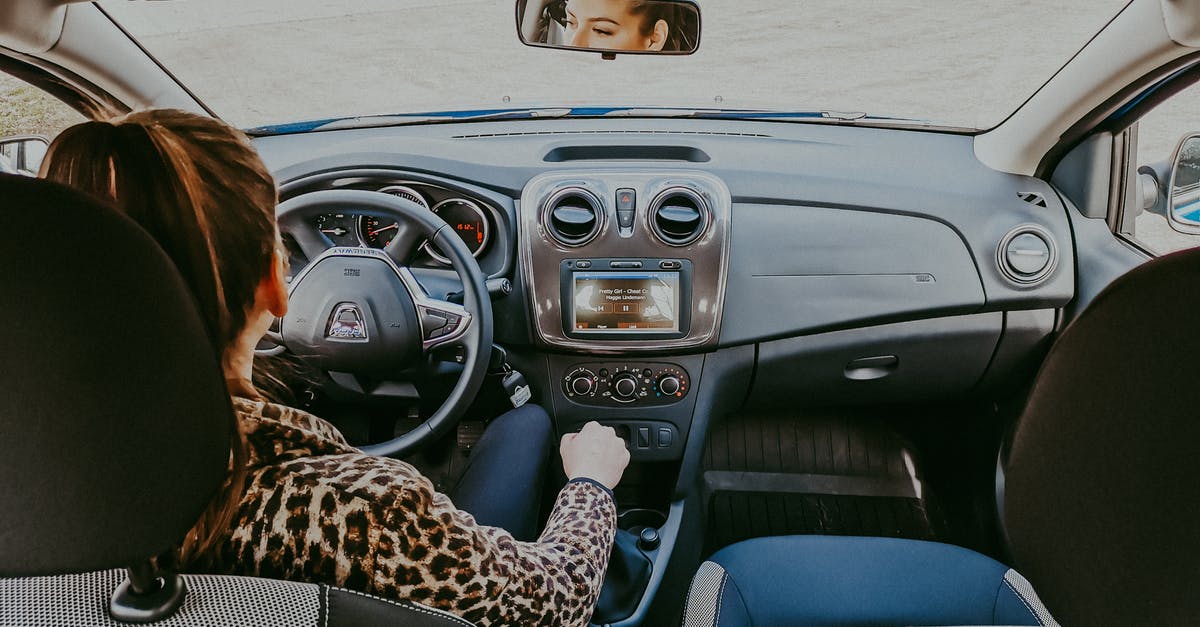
(115,426)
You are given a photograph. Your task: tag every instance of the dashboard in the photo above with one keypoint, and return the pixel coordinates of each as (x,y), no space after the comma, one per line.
(660,266)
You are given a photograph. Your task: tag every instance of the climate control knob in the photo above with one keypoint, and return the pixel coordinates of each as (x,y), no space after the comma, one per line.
(581,382)
(625,386)
(582,385)
(669,384)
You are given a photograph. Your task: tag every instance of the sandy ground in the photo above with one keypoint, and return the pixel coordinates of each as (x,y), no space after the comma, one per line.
(959,62)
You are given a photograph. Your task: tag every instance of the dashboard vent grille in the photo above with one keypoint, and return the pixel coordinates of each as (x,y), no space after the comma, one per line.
(1027,255)
(609,132)
(679,216)
(573,216)
(1032,198)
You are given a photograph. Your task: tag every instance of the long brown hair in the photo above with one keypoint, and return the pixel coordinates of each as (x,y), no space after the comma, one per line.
(199,188)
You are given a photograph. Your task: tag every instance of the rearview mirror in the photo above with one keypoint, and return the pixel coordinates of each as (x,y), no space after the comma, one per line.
(611,27)
(22,154)
(1183,193)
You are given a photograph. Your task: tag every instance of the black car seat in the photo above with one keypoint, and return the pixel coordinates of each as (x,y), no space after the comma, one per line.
(1102,498)
(114,434)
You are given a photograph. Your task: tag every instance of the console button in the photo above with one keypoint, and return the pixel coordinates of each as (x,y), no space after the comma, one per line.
(583,264)
(664,438)
(626,199)
(643,440)
(670,265)
(625,264)
(648,539)
(626,207)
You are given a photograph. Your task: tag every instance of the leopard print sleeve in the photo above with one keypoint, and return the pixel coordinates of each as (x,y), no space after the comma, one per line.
(377,525)
(493,579)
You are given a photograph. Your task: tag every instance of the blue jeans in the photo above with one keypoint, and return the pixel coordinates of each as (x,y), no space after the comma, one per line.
(502,484)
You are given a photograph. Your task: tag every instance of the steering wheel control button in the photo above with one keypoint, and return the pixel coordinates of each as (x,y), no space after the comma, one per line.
(449,327)
(432,321)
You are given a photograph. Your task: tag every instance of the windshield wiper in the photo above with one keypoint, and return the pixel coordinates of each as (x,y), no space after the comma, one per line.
(371,121)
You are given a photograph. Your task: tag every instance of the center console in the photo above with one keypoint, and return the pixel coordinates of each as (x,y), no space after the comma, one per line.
(624,271)
(621,262)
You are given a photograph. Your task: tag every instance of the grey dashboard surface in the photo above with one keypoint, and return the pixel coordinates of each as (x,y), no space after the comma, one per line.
(833,226)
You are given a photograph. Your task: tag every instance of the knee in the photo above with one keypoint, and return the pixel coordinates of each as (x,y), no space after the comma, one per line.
(529,422)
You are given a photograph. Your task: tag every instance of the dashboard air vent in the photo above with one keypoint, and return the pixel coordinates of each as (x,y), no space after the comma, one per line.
(573,216)
(1027,255)
(679,216)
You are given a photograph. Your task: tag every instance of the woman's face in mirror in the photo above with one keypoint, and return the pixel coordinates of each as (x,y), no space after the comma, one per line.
(610,25)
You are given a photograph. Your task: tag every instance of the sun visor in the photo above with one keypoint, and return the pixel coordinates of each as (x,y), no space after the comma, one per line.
(1182,18)
(32,26)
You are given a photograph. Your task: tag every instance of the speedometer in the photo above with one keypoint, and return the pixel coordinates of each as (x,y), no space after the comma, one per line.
(379,232)
(376,232)
(468,220)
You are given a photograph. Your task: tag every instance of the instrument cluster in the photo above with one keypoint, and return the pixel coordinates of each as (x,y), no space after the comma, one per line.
(472,220)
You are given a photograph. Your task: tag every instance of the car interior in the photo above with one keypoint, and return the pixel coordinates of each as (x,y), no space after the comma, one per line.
(869,371)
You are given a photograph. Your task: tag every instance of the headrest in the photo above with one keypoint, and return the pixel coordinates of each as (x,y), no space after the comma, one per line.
(1103,480)
(114,420)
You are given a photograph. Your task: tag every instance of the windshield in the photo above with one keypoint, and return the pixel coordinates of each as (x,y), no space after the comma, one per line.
(959,63)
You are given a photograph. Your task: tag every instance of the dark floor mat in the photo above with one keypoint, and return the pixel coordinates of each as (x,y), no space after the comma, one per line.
(780,475)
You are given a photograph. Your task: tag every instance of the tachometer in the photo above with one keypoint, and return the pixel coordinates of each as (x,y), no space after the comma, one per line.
(337,227)
(468,221)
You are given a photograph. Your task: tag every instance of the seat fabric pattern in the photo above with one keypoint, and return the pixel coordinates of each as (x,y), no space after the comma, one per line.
(822,581)
(81,600)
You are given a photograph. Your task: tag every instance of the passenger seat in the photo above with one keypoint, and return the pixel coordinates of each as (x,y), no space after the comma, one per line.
(1101,504)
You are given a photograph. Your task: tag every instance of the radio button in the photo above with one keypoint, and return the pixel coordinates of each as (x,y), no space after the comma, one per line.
(670,265)
(625,265)
(583,264)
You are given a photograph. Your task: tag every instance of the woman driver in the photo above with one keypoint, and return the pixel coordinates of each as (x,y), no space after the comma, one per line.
(301,503)
(634,25)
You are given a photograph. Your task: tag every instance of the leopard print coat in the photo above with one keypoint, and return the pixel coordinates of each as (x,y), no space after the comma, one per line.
(316,509)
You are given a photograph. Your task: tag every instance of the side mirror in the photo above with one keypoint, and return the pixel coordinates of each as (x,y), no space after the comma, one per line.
(22,154)
(611,27)
(1183,192)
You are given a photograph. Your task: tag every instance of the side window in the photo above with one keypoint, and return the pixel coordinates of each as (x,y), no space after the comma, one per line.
(29,119)
(1161,133)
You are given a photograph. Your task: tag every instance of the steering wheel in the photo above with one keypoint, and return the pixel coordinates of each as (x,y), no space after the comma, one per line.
(361,310)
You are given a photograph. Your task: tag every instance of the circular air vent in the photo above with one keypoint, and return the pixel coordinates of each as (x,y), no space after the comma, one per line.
(678,216)
(1027,255)
(573,216)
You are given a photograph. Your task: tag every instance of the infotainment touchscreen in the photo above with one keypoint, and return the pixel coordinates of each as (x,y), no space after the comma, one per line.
(625,302)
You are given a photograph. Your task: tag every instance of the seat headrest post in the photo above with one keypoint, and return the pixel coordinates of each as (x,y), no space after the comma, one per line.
(146,595)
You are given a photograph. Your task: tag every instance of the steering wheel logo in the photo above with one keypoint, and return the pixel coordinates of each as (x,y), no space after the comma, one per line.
(347,324)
